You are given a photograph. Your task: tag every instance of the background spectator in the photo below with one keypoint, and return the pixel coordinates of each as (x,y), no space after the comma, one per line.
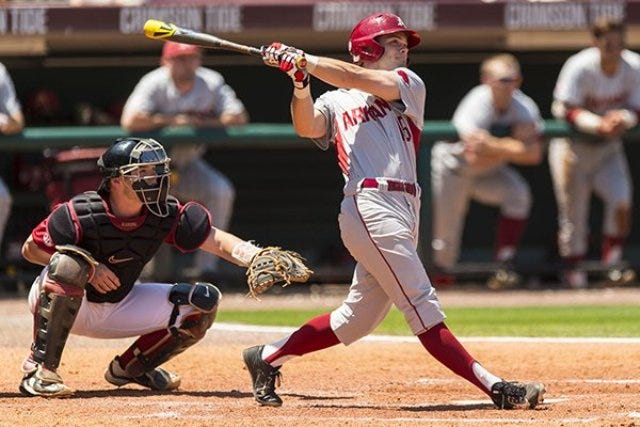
(183,93)
(597,92)
(497,125)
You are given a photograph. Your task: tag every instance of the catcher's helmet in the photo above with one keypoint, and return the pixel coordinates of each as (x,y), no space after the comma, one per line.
(125,157)
(363,45)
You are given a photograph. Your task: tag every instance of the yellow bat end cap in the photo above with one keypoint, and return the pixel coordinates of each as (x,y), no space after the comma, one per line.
(155,29)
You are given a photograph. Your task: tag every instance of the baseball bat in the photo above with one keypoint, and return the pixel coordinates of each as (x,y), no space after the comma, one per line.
(159,30)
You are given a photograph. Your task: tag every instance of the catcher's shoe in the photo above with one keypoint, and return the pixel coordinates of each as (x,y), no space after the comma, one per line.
(509,395)
(43,382)
(157,379)
(263,377)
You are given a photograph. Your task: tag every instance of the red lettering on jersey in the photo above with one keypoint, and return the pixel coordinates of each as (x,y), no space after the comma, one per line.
(416,133)
(404,76)
(383,105)
(346,120)
(363,114)
(358,115)
(592,103)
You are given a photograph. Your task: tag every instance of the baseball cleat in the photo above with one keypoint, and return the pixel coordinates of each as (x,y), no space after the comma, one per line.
(621,277)
(45,383)
(503,279)
(510,395)
(263,377)
(158,379)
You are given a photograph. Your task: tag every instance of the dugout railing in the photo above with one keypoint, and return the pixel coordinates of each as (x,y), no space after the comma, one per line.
(288,192)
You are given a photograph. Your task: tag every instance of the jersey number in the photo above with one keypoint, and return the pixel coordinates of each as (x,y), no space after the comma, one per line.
(404,129)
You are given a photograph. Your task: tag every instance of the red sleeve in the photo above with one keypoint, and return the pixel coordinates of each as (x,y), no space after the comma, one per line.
(59,228)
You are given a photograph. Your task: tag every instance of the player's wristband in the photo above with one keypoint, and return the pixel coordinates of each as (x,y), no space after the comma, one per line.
(243,252)
(312,61)
(630,118)
(586,121)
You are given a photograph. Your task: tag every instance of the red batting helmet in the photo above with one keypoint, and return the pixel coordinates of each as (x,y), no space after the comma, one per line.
(363,45)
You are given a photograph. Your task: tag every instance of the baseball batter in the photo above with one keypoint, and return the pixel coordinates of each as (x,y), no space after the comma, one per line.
(498,125)
(598,93)
(374,120)
(93,249)
(183,93)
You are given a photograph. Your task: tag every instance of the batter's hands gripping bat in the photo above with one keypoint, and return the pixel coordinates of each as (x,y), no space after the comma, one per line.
(159,30)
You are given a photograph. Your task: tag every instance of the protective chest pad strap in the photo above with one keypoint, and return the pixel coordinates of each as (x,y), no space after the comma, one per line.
(194,226)
(54,319)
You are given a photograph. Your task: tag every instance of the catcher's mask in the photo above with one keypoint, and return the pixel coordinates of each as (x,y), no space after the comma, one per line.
(363,43)
(134,158)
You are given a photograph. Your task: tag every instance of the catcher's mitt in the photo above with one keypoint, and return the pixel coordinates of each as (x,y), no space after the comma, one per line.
(273,265)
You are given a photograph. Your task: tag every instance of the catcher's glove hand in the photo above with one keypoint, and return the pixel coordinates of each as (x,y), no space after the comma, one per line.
(273,265)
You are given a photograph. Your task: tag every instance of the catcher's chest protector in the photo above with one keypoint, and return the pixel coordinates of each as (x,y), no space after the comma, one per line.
(124,252)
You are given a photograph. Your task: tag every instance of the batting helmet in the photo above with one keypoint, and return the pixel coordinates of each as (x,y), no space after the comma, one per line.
(125,157)
(363,45)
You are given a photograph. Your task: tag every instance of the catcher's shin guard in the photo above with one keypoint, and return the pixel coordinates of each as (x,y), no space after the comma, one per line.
(69,270)
(155,348)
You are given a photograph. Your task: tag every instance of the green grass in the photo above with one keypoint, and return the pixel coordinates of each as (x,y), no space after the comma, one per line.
(563,321)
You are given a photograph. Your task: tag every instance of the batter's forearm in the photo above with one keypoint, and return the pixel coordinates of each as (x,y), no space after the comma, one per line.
(304,119)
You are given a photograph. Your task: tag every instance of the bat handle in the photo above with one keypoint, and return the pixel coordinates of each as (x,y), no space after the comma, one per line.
(301,61)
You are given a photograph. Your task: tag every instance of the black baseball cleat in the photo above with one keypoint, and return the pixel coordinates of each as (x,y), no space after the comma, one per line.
(263,377)
(158,379)
(509,395)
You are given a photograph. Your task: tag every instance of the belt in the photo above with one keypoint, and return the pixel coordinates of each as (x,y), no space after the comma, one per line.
(389,185)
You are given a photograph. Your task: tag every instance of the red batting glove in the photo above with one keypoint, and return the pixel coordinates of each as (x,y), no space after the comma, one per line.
(290,60)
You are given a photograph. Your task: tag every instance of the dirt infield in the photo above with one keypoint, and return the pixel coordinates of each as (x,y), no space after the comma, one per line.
(373,383)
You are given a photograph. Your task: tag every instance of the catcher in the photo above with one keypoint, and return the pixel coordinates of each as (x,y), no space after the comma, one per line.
(93,249)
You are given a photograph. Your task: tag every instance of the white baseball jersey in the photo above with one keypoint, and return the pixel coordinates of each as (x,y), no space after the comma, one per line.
(197,180)
(476,111)
(454,182)
(375,138)
(582,83)
(379,226)
(585,166)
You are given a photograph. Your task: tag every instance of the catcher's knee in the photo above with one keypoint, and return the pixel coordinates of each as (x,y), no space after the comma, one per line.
(203,299)
(70,267)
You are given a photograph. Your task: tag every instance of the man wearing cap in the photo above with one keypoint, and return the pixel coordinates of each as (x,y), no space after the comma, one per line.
(497,125)
(183,93)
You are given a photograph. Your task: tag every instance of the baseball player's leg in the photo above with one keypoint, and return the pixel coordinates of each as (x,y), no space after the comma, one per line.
(387,250)
(612,183)
(506,189)
(363,309)
(200,182)
(55,302)
(570,166)
(177,317)
(5,208)
(450,193)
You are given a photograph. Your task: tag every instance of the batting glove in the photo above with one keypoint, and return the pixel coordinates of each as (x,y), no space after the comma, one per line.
(290,60)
